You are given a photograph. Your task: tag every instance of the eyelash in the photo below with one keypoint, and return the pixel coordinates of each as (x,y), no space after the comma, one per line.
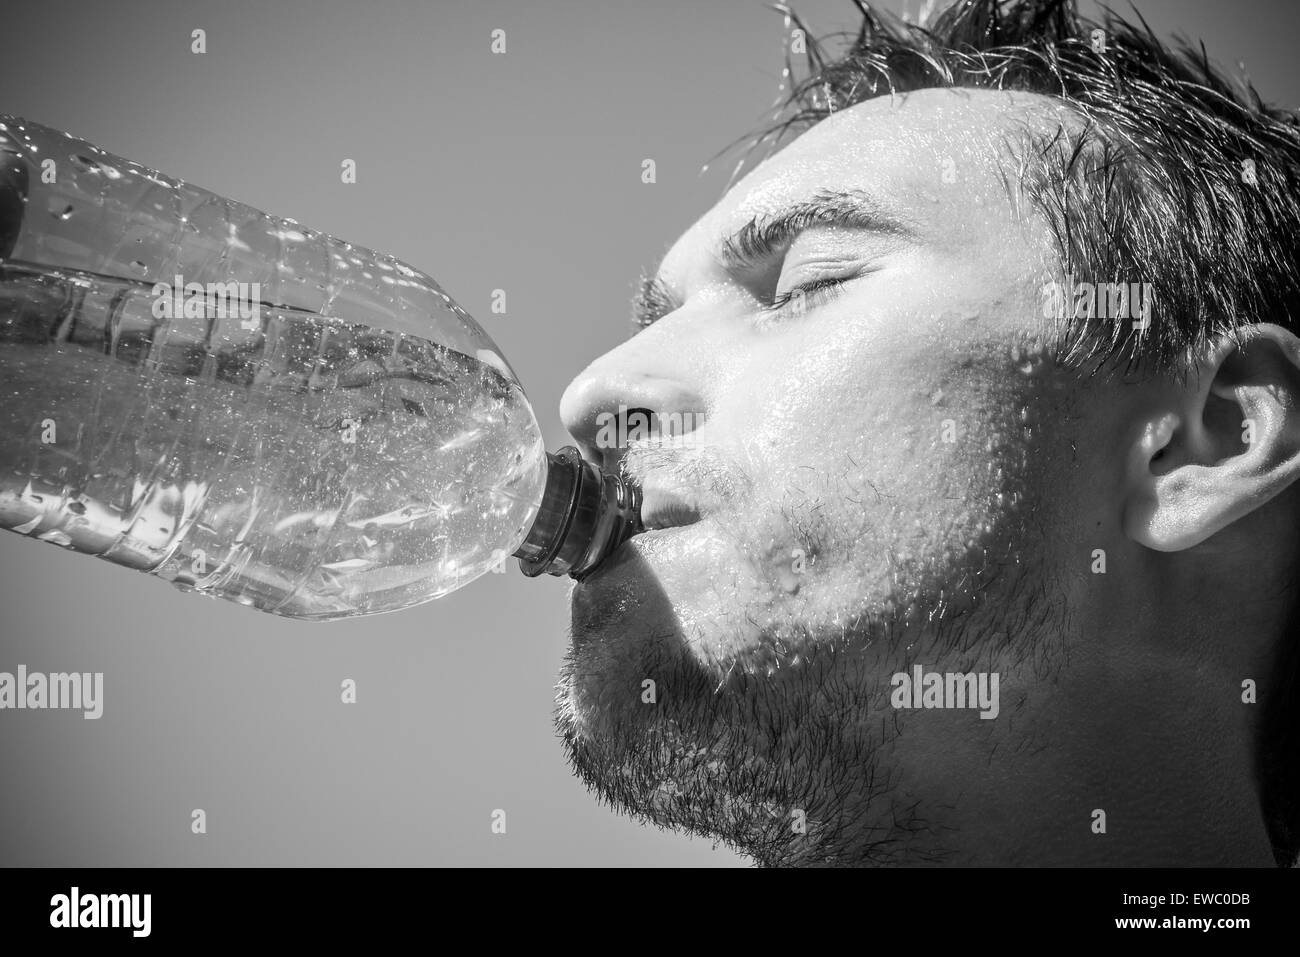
(815,292)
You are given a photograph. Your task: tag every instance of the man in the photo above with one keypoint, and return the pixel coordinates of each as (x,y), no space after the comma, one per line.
(978,545)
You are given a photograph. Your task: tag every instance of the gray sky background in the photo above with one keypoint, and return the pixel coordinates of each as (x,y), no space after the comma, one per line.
(519,172)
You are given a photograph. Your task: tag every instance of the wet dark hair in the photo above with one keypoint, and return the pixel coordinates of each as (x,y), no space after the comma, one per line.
(1169,140)
(1179,176)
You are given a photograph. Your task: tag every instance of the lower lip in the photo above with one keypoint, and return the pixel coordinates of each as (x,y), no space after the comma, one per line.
(661,532)
(649,542)
(641,546)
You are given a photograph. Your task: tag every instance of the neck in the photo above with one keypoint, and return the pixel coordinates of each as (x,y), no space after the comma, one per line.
(1142,753)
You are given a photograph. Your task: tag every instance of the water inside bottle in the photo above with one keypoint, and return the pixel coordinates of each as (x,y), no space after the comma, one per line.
(301,464)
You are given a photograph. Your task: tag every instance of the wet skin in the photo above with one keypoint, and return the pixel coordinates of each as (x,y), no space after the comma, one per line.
(894,472)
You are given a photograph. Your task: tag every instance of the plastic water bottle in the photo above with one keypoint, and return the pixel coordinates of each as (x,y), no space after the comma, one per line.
(256,411)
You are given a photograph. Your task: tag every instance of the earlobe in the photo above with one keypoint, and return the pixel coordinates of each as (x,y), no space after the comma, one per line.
(1220,447)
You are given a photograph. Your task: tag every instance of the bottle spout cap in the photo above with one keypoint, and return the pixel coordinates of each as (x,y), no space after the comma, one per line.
(585,515)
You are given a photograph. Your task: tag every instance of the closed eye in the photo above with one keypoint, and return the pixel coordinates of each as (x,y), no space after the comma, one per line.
(798,300)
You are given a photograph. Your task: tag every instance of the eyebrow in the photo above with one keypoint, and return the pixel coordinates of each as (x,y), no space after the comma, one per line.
(766,234)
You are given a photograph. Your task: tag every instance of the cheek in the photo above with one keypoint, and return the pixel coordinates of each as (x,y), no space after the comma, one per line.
(884,488)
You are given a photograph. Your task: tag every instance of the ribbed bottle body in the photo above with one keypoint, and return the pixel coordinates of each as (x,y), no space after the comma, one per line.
(241,405)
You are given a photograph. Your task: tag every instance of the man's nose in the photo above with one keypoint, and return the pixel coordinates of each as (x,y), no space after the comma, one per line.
(600,407)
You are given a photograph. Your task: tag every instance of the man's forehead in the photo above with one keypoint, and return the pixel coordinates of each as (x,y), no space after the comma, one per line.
(930,157)
(907,135)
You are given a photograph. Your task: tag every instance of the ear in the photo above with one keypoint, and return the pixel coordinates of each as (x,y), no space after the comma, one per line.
(1220,447)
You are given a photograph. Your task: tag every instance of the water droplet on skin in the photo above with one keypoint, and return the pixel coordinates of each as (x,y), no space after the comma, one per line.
(62,212)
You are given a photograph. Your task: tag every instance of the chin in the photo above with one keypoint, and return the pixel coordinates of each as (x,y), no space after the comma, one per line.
(624,630)
(722,750)
(691,612)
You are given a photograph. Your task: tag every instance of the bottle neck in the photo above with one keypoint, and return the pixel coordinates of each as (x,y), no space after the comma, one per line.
(585,515)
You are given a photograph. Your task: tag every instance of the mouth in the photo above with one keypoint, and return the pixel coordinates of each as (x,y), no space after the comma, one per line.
(662,507)
(668,509)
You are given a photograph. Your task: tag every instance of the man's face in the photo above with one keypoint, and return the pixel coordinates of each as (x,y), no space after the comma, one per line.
(869,479)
